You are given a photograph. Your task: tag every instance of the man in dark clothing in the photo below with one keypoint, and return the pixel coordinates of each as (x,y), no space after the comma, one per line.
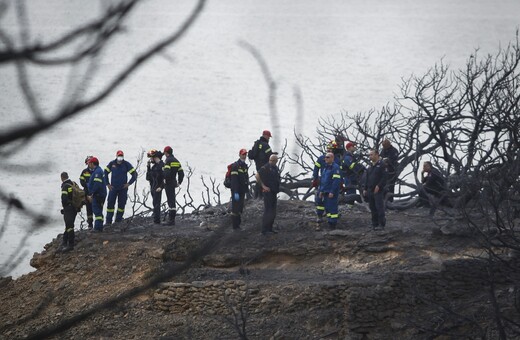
(260,153)
(269,178)
(390,155)
(117,183)
(97,193)
(239,188)
(84,178)
(433,184)
(68,211)
(374,188)
(154,175)
(172,170)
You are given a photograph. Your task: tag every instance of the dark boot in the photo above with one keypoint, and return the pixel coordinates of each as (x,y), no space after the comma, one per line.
(235,219)
(71,239)
(172,215)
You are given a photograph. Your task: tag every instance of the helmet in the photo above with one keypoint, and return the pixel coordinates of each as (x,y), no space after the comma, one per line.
(242,152)
(332,145)
(168,149)
(87,159)
(94,160)
(151,153)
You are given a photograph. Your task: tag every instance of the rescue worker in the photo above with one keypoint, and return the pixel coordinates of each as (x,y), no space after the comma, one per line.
(433,184)
(329,189)
(269,178)
(374,189)
(319,165)
(118,185)
(69,213)
(173,176)
(351,169)
(260,153)
(154,175)
(390,155)
(239,188)
(97,190)
(84,178)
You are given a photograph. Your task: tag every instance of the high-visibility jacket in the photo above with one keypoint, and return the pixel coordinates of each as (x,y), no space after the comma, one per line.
(239,177)
(66,193)
(330,179)
(119,174)
(320,164)
(173,172)
(84,178)
(97,185)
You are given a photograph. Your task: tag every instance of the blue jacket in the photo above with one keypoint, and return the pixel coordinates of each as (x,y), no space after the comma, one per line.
(239,177)
(320,164)
(330,179)
(119,177)
(97,185)
(351,168)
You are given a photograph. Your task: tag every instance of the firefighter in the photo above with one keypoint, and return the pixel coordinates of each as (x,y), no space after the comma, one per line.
(84,178)
(173,176)
(352,169)
(97,190)
(154,175)
(319,165)
(329,189)
(239,188)
(69,213)
(260,153)
(118,184)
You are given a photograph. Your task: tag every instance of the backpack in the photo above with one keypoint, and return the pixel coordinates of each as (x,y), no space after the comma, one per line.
(227,179)
(78,196)
(251,154)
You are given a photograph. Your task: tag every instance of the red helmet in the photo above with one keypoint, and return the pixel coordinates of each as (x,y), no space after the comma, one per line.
(93,160)
(242,152)
(168,149)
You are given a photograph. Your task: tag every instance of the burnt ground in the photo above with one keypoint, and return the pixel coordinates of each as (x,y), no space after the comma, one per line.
(137,253)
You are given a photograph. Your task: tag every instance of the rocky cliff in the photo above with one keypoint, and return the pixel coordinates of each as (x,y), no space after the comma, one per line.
(201,280)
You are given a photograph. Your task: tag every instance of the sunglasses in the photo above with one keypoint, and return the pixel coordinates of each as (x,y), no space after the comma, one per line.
(328,157)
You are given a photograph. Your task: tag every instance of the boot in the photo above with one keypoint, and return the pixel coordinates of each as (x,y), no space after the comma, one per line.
(171,217)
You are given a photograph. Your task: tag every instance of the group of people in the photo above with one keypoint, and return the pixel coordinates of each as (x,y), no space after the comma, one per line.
(113,181)
(338,171)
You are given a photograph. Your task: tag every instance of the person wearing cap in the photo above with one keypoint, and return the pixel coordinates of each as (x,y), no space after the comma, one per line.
(84,178)
(269,178)
(154,175)
(352,169)
(69,213)
(97,190)
(118,183)
(319,165)
(239,188)
(390,155)
(374,187)
(260,153)
(173,176)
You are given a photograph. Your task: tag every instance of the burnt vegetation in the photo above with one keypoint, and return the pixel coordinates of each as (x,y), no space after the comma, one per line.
(466,122)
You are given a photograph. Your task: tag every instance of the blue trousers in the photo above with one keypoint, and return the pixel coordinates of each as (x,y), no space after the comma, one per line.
(320,207)
(97,208)
(331,207)
(121,195)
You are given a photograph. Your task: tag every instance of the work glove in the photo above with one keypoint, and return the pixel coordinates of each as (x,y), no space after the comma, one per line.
(315,183)
(236,196)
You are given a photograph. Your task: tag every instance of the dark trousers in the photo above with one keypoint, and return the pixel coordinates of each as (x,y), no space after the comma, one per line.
(270,201)
(97,208)
(121,195)
(376,203)
(170,197)
(156,201)
(90,216)
(391,186)
(69,216)
(236,210)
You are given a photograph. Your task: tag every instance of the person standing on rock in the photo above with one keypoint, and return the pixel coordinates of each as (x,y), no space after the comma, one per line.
(154,175)
(69,212)
(118,183)
(269,178)
(329,189)
(97,191)
(84,178)
(390,155)
(260,153)
(172,170)
(319,166)
(239,188)
(374,189)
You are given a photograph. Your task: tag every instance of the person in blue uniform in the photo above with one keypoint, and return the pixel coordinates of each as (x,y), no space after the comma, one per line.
(97,192)
(329,189)
(117,182)
(260,153)
(317,172)
(84,178)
